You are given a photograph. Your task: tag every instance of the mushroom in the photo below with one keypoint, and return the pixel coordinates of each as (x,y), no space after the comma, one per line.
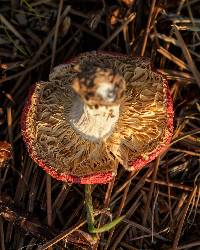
(96,111)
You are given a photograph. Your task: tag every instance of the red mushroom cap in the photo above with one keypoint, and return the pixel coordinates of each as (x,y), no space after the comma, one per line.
(143,130)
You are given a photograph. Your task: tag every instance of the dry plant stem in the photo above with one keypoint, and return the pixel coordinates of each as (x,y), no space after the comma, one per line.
(33,63)
(89,208)
(139,185)
(144,229)
(121,188)
(91,33)
(147,28)
(90,214)
(49,204)
(123,230)
(169,184)
(117,241)
(46,41)
(61,236)
(169,198)
(10,130)
(107,199)
(167,45)
(186,201)
(127,246)
(153,216)
(180,204)
(9,121)
(173,58)
(56,33)
(190,245)
(185,135)
(187,55)
(106,205)
(24,72)
(150,193)
(180,226)
(2,245)
(122,204)
(12,29)
(39,232)
(117,31)
(125,193)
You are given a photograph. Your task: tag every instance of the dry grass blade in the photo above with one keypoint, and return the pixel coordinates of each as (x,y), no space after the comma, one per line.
(185,151)
(10,27)
(127,246)
(121,231)
(117,31)
(187,55)
(119,211)
(39,231)
(61,236)
(147,28)
(189,246)
(180,224)
(173,58)
(106,206)
(35,36)
(49,202)
(146,209)
(56,33)
(180,204)
(143,229)
(48,38)
(2,235)
(182,77)
(5,153)
(9,78)
(169,184)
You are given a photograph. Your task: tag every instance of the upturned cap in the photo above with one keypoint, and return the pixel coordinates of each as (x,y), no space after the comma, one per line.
(142,127)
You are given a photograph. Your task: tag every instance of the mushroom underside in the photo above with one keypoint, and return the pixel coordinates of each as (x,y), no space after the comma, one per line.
(143,130)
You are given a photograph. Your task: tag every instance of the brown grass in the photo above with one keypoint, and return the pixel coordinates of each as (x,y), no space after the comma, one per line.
(162,201)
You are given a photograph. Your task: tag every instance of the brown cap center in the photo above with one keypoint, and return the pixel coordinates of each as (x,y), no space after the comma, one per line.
(99,86)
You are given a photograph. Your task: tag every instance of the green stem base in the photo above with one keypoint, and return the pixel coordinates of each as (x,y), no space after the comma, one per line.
(90,215)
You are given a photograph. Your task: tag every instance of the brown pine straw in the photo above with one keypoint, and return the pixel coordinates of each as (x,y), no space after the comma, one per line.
(61,236)
(167,45)
(187,55)
(174,206)
(149,198)
(190,245)
(146,34)
(106,206)
(173,58)
(122,230)
(12,29)
(2,243)
(49,202)
(181,222)
(137,187)
(56,33)
(180,204)
(170,184)
(117,31)
(122,203)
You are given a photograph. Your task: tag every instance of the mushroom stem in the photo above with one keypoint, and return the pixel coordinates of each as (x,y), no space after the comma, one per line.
(89,207)
(90,215)
(92,123)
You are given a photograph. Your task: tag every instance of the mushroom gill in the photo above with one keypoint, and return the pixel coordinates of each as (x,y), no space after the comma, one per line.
(82,125)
